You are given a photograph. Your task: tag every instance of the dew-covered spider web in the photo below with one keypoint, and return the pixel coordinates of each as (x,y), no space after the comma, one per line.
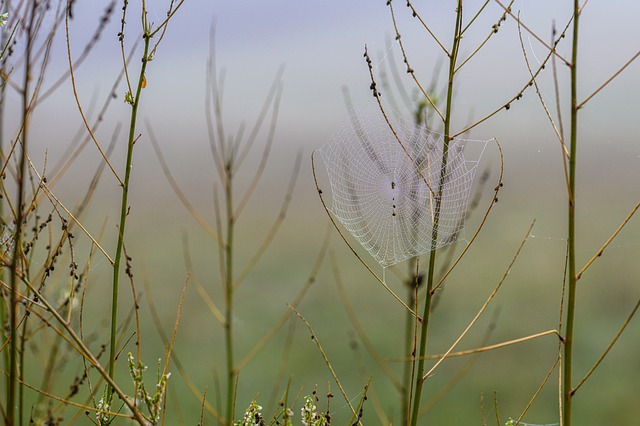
(385,193)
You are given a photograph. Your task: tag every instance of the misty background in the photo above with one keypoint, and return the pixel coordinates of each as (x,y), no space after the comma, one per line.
(320,45)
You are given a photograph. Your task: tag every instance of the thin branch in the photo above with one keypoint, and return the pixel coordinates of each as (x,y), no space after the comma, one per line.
(172,11)
(376,95)
(484,218)
(271,100)
(399,88)
(344,238)
(406,61)
(176,360)
(609,80)
(86,353)
(606,244)
(606,351)
(68,402)
(486,303)
(301,294)
(214,119)
(483,348)
(163,28)
(104,20)
(209,302)
(565,152)
(536,36)
(265,153)
(77,99)
(472,20)
(178,191)
(529,83)
(535,395)
(199,287)
(26,299)
(276,225)
(53,198)
(460,373)
(175,327)
(121,34)
(360,330)
(494,30)
(556,89)
(415,14)
(326,359)
(69,157)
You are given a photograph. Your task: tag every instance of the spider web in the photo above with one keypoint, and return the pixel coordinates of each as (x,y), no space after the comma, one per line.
(385,193)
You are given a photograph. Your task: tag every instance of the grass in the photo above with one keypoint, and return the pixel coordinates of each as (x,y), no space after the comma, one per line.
(239,296)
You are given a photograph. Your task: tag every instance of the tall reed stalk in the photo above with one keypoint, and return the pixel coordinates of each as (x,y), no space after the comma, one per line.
(229,152)
(124,205)
(571,232)
(16,259)
(424,323)
(228,289)
(567,387)
(133,99)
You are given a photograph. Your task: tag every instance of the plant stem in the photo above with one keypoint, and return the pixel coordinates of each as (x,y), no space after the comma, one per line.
(84,351)
(21,363)
(412,286)
(424,326)
(124,210)
(571,237)
(17,238)
(432,258)
(228,290)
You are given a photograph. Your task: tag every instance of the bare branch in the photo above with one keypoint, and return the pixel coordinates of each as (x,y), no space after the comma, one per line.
(415,14)
(494,30)
(606,351)
(484,306)
(606,244)
(536,36)
(406,61)
(609,80)
(177,190)
(560,136)
(75,95)
(507,105)
(276,224)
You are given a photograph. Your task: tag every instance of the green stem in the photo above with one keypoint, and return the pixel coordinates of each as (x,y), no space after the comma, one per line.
(21,362)
(424,327)
(4,39)
(3,310)
(432,258)
(124,210)
(84,351)
(571,237)
(17,239)
(228,285)
(412,285)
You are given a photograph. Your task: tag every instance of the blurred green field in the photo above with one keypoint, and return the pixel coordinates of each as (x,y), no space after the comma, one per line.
(528,303)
